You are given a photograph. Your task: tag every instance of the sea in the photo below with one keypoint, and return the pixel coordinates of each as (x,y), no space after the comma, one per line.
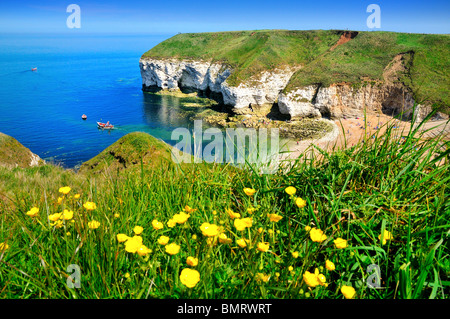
(96,75)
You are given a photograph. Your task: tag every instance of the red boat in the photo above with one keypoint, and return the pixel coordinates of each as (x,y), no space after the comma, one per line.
(34,69)
(84,116)
(105,125)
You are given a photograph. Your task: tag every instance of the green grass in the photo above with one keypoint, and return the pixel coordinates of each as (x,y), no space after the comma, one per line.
(390,182)
(13,153)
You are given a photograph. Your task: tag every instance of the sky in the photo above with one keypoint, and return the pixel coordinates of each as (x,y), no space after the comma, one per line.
(173,16)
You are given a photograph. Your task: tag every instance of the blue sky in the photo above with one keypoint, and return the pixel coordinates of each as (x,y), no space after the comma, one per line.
(173,16)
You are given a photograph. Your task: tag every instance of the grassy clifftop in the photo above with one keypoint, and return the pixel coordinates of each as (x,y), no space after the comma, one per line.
(364,57)
(13,153)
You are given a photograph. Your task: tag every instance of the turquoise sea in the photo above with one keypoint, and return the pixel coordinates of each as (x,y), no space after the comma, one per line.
(96,75)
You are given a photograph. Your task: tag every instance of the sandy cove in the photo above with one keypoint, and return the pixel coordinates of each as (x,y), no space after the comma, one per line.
(350,131)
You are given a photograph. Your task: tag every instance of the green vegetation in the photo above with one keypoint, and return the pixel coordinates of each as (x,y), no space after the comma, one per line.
(363,59)
(13,153)
(393,183)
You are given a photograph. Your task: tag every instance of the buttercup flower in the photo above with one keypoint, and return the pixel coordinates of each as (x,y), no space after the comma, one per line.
(224,239)
(300,202)
(209,230)
(157,225)
(307,228)
(94,224)
(262,277)
(348,292)
(33,212)
(116,215)
(181,217)
(60,199)
(233,214)
(192,261)
(163,240)
(295,254)
(54,217)
(330,265)
(65,190)
(138,230)
(143,250)
(133,243)
(189,277)
(89,206)
(317,235)
(263,247)
(171,223)
(290,190)
(122,237)
(249,191)
(274,217)
(189,210)
(3,246)
(290,268)
(172,249)
(387,236)
(67,214)
(239,224)
(76,196)
(241,242)
(340,243)
(311,278)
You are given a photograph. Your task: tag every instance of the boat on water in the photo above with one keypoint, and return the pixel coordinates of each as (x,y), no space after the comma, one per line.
(106,125)
(84,116)
(34,69)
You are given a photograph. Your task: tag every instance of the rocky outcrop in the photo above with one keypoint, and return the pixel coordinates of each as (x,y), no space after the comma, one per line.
(210,79)
(338,100)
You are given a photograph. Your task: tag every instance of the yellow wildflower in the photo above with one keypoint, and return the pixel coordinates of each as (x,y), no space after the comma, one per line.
(348,292)
(251,210)
(307,228)
(295,254)
(171,223)
(189,277)
(143,250)
(157,225)
(33,212)
(233,214)
(314,279)
(317,235)
(300,202)
(241,242)
(94,224)
(290,190)
(3,246)
(138,230)
(67,214)
(330,265)
(60,199)
(54,217)
(263,247)
(65,190)
(387,236)
(116,215)
(224,239)
(189,210)
(209,230)
(192,261)
(290,268)
(132,244)
(172,249)
(340,243)
(76,196)
(262,277)
(181,217)
(89,206)
(122,237)
(249,191)
(163,240)
(274,217)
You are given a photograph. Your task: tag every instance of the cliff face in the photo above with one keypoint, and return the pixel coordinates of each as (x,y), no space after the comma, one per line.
(210,79)
(14,154)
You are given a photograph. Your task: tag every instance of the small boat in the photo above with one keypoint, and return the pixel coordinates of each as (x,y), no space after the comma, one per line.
(84,116)
(34,69)
(106,125)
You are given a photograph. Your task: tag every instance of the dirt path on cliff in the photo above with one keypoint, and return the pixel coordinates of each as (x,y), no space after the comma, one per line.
(350,131)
